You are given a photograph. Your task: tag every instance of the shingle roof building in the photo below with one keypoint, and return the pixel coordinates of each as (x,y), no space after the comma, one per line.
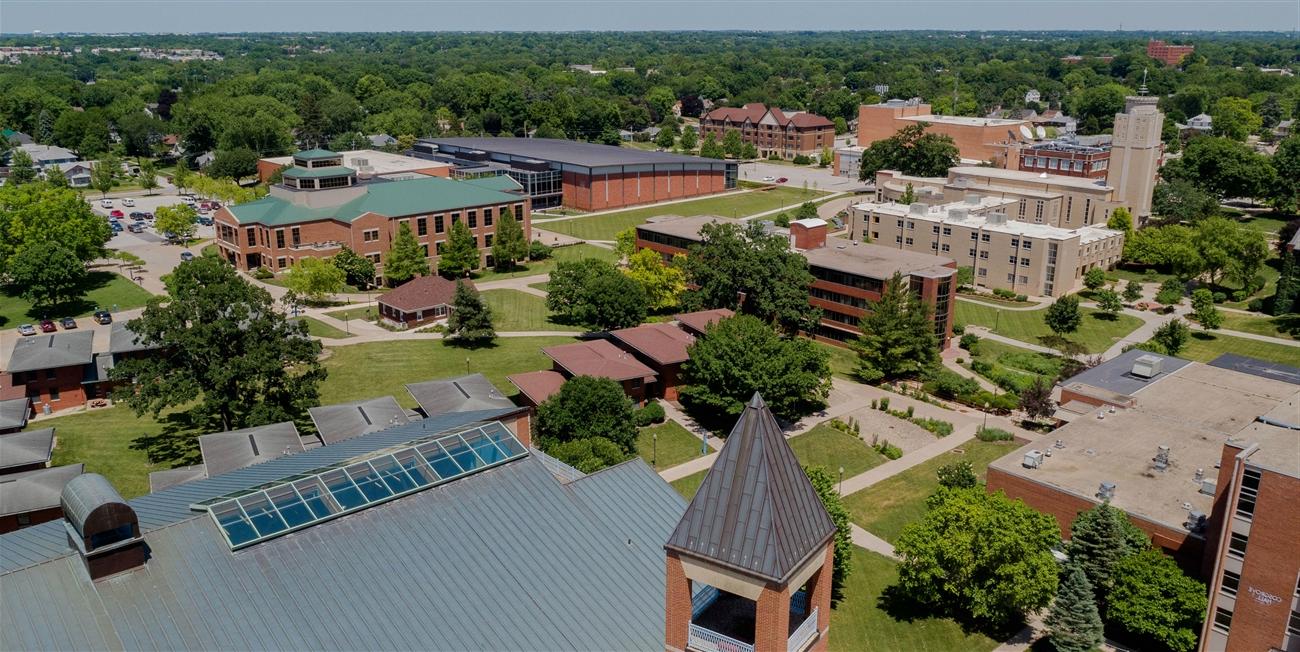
(26,449)
(699,321)
(662,343)
(422,293)
(31,491)
(335,423)
(598,358)
(227,451)
(537,386)
(63,349)
(508,558)
(462,394)
(13,413)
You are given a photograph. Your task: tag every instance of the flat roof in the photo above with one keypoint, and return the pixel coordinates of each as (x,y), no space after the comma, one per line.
(876,261)
(943,214)
(1081,183)
(963,120)
(1261,368)
(380,163)
(1105,446)
(1116,375)
(685,227)
(569,151)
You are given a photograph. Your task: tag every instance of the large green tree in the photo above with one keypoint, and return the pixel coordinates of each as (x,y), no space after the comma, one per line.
(1235,118)
(509,243)
(1172,337)
(1152,599)
(177,222)
(1064,316)
(21,168)
(471,320)
(741,266)
(587,407)
(314,279)
(593,293)
(979,555)
(1223,167)
(406,257)
(827,490)
(358,271)
(1180,200)
(231,359)
(1204,311)
(1286,160)
(1099,539)
(36,213)
(460,254)
(742,355)
(1074,623)
(897,337)
(911,151)
(46,273)
(233,164)
(662,283)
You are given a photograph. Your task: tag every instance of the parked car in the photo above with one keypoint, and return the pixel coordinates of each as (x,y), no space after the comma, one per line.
(128,202)
(147,215)
(26,329)
(116,226)
(106,203)
(769,179)
(205,220)
(136,227)
(136,215)
(47,326)
(117,213)
(103,317)
(67,323)
(782,180)
(205,206)
(186,256)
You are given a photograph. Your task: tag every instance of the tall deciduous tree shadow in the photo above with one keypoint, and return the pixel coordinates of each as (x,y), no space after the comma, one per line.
(895,602)
(178,443)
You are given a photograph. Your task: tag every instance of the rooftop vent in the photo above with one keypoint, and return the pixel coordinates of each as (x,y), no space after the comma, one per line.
(1033,459)
(1208,487)
(1106,491)
(1147,366)
(1161,461)
(997,217)
(958,214)
(972,199)
(101,526)
(918,208)
(1195,521)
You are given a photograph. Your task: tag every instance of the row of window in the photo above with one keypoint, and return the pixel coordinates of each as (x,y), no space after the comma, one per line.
(1064,165)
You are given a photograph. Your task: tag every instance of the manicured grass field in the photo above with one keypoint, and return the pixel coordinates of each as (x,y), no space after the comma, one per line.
(1285,327)
(111,441)
(675,445)
(863,621)
(1264,223)
(558,254)
(361,312)
(1095,333)
(1016,360)
(101,289)
(514,311)
(688,485)
(843,360)
(373,369)
(318,328)
(605,227)
(830,448)
(1127,275)
(884,508)
(1204,347)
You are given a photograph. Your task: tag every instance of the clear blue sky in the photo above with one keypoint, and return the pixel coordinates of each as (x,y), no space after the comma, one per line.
(19,16)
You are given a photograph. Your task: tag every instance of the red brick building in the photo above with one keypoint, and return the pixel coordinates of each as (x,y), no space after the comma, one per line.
(977,139)
(585,176)
(1171,55)
(597,358)
(1061,158)
(56,370)
(322,206)
(772,131)
(848,275)
(32,497)
(419,301)
(662,347)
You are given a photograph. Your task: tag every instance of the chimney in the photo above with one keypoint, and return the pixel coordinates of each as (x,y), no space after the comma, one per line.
(101,526)
(808,234)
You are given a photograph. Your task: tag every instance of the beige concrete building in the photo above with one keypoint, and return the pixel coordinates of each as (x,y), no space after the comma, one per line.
(1035,259)
(1135,154)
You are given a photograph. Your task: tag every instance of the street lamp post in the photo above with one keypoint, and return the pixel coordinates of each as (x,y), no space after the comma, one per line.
(704,441)
(841,491)
(986,416)
(654,453)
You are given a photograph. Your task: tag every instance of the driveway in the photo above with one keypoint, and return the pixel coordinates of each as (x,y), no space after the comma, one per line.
(818,178)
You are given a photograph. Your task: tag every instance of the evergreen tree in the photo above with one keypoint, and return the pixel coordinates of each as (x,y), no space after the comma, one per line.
(1074,624)
(689,139)
(406,258)
(471,319)
(897,335)
(508,245)
(1288,285)
(460,255)
(21,169)
(1099,539)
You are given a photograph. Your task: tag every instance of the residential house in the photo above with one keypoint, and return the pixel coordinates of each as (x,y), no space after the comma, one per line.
(419,301)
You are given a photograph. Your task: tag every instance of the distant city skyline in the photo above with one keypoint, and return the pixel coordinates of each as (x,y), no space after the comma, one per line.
(195,16)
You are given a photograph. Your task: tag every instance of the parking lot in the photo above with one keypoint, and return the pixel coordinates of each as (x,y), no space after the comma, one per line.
(160,257)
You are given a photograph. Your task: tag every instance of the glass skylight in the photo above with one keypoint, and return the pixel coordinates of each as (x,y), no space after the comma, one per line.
(306,499)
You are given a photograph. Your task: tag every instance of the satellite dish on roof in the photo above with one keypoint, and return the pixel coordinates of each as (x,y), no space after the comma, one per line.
(1024,131)
(1042,133)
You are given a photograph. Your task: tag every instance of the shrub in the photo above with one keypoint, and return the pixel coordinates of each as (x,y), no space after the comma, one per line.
(1255,305)
(958,329)
(801,159)
(538,251)
(1022,297)
(910,411)
(262,274)
(884,404)
(888,450)
(1239,295)
(969,341)
(958,475)
(939,428)
(1220,297)
(961,360)
(651,413)
(993,434)
(873,403)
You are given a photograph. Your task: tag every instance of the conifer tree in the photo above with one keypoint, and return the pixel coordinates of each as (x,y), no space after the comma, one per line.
(471,320)
(508,245)
(460,256)
(1099,539)
(897,335)
(406,258)
(1074,624)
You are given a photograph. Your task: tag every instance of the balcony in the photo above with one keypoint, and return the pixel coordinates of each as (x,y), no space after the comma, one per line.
(316,246)
(722,622)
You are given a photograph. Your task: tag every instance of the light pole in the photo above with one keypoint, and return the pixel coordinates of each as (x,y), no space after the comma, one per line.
(997,320)
(654,452)
(841,491)
(704,441)
(986,416)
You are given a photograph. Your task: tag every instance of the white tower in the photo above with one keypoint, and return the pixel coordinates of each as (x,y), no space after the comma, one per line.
(1135,155)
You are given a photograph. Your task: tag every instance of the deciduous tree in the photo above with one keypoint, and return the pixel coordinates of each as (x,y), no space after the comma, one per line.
(1094,278)
(148,177)
(1036,399)
(314,279)
(233,164)
(824,484)
(1172,337)
(898,337)
(1063,316)
(46,273)
(471,320)
(358,271)
(1132,291)
(35,213)
(587,407)
(104,175)
(661,283)
(508,244)
(1153,599)
(21,168)
(744,267)
(177,222)
(958,475)
(460,256)
(1109,303)
(912,152)
(1204,311)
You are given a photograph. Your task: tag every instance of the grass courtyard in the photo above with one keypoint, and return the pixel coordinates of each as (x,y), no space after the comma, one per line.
(359,312)
(514,311)
(688,485)
(318,328)
(1014,364)
(101,289)
(666,445)
(606,226)
(1204,347)
(886,507)
(1096,333)
(830,448)
(843,360)
(1285,327)
(558,255)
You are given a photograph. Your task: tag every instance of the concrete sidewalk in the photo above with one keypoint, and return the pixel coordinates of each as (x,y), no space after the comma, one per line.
(894,467)
(864,539)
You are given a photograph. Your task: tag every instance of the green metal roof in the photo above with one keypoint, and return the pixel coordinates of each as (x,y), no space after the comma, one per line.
(315,173)
(313,154)
(388,198)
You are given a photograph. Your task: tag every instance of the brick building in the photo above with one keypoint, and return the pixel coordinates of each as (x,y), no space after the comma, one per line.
(1204,459)
(977,139)
(322,206)
(368,163)
(1167,53)
(773,132)
(56,370)
(31,497)
(597,358)
(662,347)
(1061,157)
(848,274)
(585,176)
(1027,258)
(419,301)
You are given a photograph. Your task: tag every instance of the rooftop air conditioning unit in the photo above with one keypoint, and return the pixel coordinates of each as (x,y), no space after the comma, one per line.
(1033,459)
(1208,487)
(972,199)
(1195,521)
(997,218)
(958,214)
(1147,366)
(918,208)
(1106,491)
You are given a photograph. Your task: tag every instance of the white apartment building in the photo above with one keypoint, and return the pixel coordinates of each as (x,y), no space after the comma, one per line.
(1027,258)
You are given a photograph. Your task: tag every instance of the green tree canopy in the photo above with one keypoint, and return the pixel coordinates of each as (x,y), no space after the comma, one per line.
(315,279)
(21,168)
(1204,311)
(178,222)
(1172,337)
(735,265)
(588,455)
(1153,599)
(1099,539)
(1063,316)
(912,152)
(471,319)
(662,284)
(898,337)
(233,164)
(1235,118)
(1094,278)
(1224,168)
(460,255)
(358,271)
(1182,201)
(509,243)
(825,486)
(1109,302)
(36,213)
(1074,623)
(46,273)
(587,407)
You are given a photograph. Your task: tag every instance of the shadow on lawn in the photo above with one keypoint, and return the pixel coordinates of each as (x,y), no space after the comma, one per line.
(95,279)
(901,607)
(178,443)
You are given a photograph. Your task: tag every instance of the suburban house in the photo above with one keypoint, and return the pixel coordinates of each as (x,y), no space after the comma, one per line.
(699,321)
(419,301)
(77,174)
(597,358)
(47,156)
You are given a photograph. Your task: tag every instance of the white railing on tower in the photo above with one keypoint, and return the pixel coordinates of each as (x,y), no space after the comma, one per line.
(707,640)
(800,638)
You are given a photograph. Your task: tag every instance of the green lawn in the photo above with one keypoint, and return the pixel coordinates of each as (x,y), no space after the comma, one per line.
(884,508)
(101,289)
(544,286)
(864,621)
(318,328)
(1127,275)
(1266,223)
(605,227)
(360,371)
(359,312)
(1204,347)
(558,254)
(675,445)
(1095,333)
(1285,327)
(514,311)
(1016,362)
(115,443)
(830,448)
(688,485)
(1270,273)
(843,359)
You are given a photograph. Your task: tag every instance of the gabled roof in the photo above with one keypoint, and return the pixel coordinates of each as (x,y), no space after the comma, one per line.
(336,423)
(122,339)
(537,385)
(700,320)
(33,490)
(313,154)
(14,411)
(421,293)
(472,392)
(227,451)
(24,448)
(756,512)
(755,111)
(663,343)
(159,480)
(62,349)
(598,358)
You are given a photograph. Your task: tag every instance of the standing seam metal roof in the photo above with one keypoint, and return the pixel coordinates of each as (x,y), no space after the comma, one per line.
(63,349)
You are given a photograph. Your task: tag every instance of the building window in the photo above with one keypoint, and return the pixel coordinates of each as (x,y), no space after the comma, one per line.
(984,271)
(279,238)
(984,237)
(984,255)
(1024,262)
(1293,625)
(935,229)
(1249,493)
(900,224)
(911,224)
(1230,582)
(251,234)
(974,235)
(487,240)
(945,247)
(935,245)
(875,235)
(455,217)
(374,258)
(421,226)
(1015,242)
(279,262)
(437,248)
(1022,207)
(898,239)
(295,236)
(472,218)
(1027,245)
(487,217)
(54,393)
(947,230)
(370,235)
(1222,620)
(972,253)
(1237,546)
(1011,259)
(1011,278)
(909,241)
(437,224)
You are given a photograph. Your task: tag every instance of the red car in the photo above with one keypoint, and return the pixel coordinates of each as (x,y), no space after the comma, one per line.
(47,326)
(781,180)
(116,213)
